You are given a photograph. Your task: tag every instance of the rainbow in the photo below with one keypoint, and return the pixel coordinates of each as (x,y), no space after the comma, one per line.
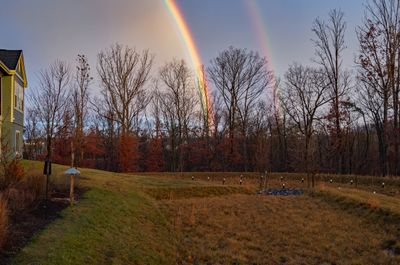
(188,39)
(262,39)
(194,54)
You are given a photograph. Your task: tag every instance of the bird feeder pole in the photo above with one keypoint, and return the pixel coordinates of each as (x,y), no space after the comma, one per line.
(71,190)
(72,172)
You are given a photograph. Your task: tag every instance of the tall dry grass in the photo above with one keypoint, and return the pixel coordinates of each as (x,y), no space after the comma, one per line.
(11,172)
(243,229)
(25,194)
(3,220)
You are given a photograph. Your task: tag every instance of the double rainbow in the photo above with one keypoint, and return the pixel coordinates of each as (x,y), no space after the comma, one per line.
(261,34)
(194,54)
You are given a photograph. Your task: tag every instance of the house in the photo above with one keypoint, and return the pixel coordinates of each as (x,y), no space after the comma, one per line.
(12,85)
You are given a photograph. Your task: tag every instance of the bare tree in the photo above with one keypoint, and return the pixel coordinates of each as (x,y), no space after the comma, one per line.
(123,74)
(330,45)
(49,99)
(179,103)
(379,70)
(80,97)
(33,134)
(302,97)
(277,126)
(241,77)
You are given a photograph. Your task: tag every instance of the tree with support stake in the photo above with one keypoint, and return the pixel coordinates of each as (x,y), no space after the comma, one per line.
(72,172)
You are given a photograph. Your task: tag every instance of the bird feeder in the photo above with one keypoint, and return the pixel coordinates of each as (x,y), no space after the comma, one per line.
(72,172)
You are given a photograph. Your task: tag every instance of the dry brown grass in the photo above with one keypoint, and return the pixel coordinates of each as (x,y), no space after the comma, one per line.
(199,192)
(24,194)
(3,220)
(374,200)
(250,229)
(369,183)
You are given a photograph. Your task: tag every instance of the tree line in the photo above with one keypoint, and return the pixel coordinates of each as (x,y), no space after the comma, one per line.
(319,117)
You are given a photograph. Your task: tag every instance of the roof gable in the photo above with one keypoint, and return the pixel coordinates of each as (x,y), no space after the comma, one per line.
(10,58)
(12,62)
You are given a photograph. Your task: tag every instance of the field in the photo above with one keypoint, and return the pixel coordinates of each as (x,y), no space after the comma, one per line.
(172,219)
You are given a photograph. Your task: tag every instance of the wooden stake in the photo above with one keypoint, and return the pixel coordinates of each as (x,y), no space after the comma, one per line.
(71,190)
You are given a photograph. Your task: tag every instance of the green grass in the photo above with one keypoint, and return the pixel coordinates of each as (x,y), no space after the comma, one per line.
(114,223)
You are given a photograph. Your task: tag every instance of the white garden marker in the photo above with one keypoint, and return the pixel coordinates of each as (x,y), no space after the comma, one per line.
(72,172)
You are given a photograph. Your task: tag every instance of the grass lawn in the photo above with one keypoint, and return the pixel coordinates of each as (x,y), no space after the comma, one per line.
(114,223)
(162,219)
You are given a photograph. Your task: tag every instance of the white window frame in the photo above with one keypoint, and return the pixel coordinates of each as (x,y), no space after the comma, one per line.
(18,96)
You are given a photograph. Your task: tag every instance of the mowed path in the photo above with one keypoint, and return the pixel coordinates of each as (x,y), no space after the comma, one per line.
(133,219)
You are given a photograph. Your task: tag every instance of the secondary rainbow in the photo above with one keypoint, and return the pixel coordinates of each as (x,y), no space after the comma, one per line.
(262,39)
(194,55)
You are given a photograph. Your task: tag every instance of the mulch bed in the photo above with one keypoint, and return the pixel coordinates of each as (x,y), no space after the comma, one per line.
(281,192)
(24,225)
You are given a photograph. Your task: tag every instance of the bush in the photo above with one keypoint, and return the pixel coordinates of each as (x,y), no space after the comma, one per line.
(3,220)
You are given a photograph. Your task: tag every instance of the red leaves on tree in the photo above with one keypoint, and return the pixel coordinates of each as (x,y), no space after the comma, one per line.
(128,153)
(155,160)
(93,149)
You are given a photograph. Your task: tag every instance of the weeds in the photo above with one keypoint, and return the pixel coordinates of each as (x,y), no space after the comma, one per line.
(200,191)
(243,229)
(3,220)
(12,172)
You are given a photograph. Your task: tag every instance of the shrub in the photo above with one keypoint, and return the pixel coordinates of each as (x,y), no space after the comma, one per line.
(3,220)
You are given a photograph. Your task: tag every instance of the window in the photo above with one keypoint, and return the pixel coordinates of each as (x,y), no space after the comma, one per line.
(18,96)
(17,141)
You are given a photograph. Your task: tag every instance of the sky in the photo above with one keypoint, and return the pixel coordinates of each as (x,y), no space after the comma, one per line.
(47,30)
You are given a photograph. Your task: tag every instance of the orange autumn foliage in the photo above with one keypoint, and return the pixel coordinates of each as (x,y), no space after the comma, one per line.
(128,153)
